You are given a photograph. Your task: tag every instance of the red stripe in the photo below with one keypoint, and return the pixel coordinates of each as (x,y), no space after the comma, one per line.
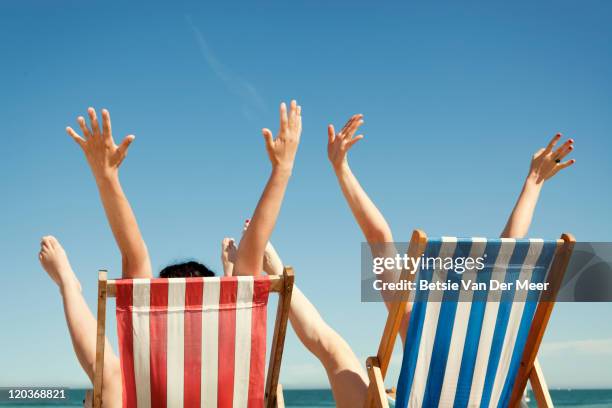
(227,341)
(258,342)
(193,342)
(158,324)
(126,341)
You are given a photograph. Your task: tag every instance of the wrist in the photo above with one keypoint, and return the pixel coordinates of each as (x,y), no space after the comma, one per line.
(533,181)
(106,177)
(532,186)
(341,167)
(281,170)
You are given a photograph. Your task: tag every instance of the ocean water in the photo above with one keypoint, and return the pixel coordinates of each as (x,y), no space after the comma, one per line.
(561,398)
(323,398)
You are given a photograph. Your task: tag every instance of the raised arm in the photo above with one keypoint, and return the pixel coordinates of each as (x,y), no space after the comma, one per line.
(545,163)
(104,158)
(281,152)
(370,220)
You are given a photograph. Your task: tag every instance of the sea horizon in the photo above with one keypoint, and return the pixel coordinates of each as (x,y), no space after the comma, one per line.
(322,398)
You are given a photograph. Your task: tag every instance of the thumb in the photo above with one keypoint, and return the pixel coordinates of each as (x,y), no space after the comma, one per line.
(267,134)
(331,134)
(122,149)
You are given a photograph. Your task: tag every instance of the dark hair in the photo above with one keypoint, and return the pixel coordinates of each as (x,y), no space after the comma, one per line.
(186,270)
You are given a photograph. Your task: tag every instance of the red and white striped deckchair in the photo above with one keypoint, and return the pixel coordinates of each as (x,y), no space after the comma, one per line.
(195,342)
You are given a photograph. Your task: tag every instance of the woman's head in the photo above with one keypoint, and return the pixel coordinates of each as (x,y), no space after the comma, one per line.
(186,270)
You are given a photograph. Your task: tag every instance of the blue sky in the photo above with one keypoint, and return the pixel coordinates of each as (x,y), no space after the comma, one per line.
(456,97)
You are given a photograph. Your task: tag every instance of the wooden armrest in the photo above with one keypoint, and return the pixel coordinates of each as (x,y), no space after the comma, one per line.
(377,395)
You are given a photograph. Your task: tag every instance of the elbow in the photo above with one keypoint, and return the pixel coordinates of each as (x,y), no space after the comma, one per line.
(136,267)
(515,230)
(513,233)
(242,268)
(378,235)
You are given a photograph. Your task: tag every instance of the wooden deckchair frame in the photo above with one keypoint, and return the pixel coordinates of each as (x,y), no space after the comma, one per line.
(273,397)
(529,368)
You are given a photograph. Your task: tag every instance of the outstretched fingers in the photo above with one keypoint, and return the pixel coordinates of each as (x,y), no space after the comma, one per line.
(353,141)
(564,149)
(344,131)
(284,120)
(355,125)
(560,154)
(553,142)
(75,136)
(293,117)
(352,125)
(106,125)
(565,164)
(93,118)
(84,128)
(347,132)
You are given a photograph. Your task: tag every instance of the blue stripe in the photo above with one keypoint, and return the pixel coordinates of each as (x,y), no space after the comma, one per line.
(444,331)
(472,337)
(415,329)
(539,274)
(512,272)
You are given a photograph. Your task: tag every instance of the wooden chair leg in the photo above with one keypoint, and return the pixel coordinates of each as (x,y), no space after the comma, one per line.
(542,316)
(418,243)
(539,387)
(377,396)
(278,341)
(100,338)
(280,399)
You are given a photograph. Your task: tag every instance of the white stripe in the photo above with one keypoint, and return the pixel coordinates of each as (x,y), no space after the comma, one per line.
(488,324)
(175,367)
(210,342)
(141,299)
(242,351)
(462,317)
(516,314)
(430,324)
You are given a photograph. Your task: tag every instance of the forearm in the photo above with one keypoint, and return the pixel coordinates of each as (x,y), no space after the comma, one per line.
(82,328)
(370,220)
(135,256)
(522,214)
(253,243)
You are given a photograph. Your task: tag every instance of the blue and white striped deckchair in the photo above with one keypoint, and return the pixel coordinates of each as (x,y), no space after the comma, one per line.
(472,348)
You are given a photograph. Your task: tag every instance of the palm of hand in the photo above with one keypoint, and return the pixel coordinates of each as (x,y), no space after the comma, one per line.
(103,155)
(340,143)
(282,150)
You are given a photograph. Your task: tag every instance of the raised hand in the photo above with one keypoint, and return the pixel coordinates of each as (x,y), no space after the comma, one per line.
(338,144)
(104,158)
(282,150)
(103,155)
(546,162)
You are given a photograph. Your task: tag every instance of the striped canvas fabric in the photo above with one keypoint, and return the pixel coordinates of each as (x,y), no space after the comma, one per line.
(192,342)
(463,348)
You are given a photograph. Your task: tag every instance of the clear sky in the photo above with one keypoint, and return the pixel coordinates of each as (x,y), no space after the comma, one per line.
(456,97)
